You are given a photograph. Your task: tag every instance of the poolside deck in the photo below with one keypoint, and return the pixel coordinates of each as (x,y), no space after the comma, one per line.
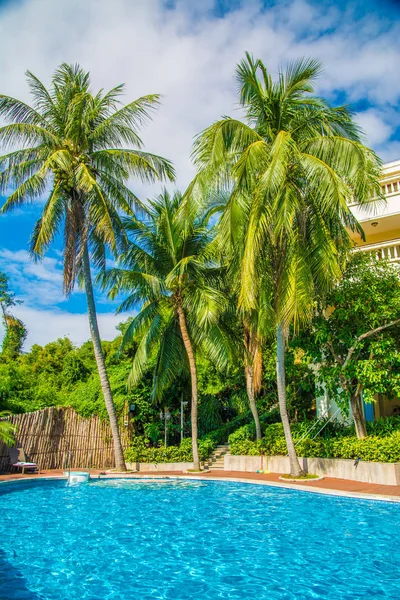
(328,485)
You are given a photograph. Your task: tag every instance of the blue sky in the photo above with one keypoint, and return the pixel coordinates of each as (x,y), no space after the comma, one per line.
(187,50)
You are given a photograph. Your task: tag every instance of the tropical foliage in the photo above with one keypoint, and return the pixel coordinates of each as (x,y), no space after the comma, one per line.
(234,281)
(354,337)
(167,271)
(15,330)
(7,429)
(293,165)
(69,147)
(381,445)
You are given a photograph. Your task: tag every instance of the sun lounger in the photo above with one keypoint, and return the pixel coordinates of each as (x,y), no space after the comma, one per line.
(18,461)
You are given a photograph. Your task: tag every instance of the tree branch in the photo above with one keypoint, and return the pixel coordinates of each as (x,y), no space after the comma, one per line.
(366,335)
(334,354)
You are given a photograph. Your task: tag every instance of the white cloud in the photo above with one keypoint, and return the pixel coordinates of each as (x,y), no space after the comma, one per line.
(46,325)
(377,130)
(39,286)
(35,283)
(189,56)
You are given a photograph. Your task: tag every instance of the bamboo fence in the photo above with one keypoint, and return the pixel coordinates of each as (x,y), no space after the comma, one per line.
(48,435)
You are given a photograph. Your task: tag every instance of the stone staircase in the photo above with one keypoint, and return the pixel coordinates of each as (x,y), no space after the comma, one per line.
(216,460)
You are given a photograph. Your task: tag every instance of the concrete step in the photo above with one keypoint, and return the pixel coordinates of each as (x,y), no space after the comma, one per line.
(216,461)
(216,458)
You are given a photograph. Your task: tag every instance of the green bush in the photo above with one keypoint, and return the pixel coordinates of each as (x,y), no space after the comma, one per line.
(246,448)
(385,426)
(221,435)
(140,452)
(246,432)
(373,448)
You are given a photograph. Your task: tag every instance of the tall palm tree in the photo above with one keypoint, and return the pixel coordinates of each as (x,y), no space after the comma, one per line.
(294,165)
(168,271)
(254,325)
(248,333)
(68,147)
(252,341)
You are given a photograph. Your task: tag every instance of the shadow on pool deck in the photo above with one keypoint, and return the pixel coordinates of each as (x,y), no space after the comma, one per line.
(13,583)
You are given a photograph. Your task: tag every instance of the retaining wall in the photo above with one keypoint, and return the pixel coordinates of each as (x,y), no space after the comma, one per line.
(366,472)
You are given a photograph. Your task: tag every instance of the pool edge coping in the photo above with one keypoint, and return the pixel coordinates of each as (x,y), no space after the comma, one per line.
(292,486)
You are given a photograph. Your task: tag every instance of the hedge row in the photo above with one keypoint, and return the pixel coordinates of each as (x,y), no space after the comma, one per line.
(139,451)
(382,445)
(373,448)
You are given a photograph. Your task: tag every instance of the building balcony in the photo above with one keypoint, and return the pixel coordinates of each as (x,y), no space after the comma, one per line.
(389,250)
(380,219)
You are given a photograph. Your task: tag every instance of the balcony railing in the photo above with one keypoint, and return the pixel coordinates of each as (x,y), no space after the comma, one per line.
(383,250)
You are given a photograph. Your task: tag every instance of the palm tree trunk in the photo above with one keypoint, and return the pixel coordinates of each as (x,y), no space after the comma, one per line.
(358,415)
(193,377)
(98,353)
(295,468)
(252,398)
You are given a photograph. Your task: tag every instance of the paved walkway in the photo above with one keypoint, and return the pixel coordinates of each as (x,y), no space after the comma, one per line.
(328,485)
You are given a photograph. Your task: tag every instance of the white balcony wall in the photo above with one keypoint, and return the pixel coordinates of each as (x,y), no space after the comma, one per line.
(378,209)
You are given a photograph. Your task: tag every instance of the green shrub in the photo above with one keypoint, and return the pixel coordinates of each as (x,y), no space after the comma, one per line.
(372,448)
(140,452)
(246,448)
(270,416)
(246,432)
(221,435)
(385,426)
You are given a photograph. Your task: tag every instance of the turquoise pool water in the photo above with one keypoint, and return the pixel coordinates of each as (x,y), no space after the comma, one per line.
(124,540)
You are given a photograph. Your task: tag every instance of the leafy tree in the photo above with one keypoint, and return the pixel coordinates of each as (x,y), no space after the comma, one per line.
(70,148)
(355,336)
(48,360)
(300,382)
(293,166)
(74,370)
(168,272)
(15,330)
(7,430)
(7,297)
(14,338)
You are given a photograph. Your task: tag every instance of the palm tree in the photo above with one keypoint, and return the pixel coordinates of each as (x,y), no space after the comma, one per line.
(294,165)
(69,148)
(252,340)
(248,334)
(167,270)
(253,328)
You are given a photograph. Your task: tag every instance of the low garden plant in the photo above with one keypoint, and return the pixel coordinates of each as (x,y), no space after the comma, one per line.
(335,441)
(139,451)
(381,445)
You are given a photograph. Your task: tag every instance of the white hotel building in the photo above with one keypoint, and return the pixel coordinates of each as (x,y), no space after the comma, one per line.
(381,225)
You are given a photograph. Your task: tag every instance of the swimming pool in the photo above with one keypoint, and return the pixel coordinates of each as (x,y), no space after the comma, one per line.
(124,539)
